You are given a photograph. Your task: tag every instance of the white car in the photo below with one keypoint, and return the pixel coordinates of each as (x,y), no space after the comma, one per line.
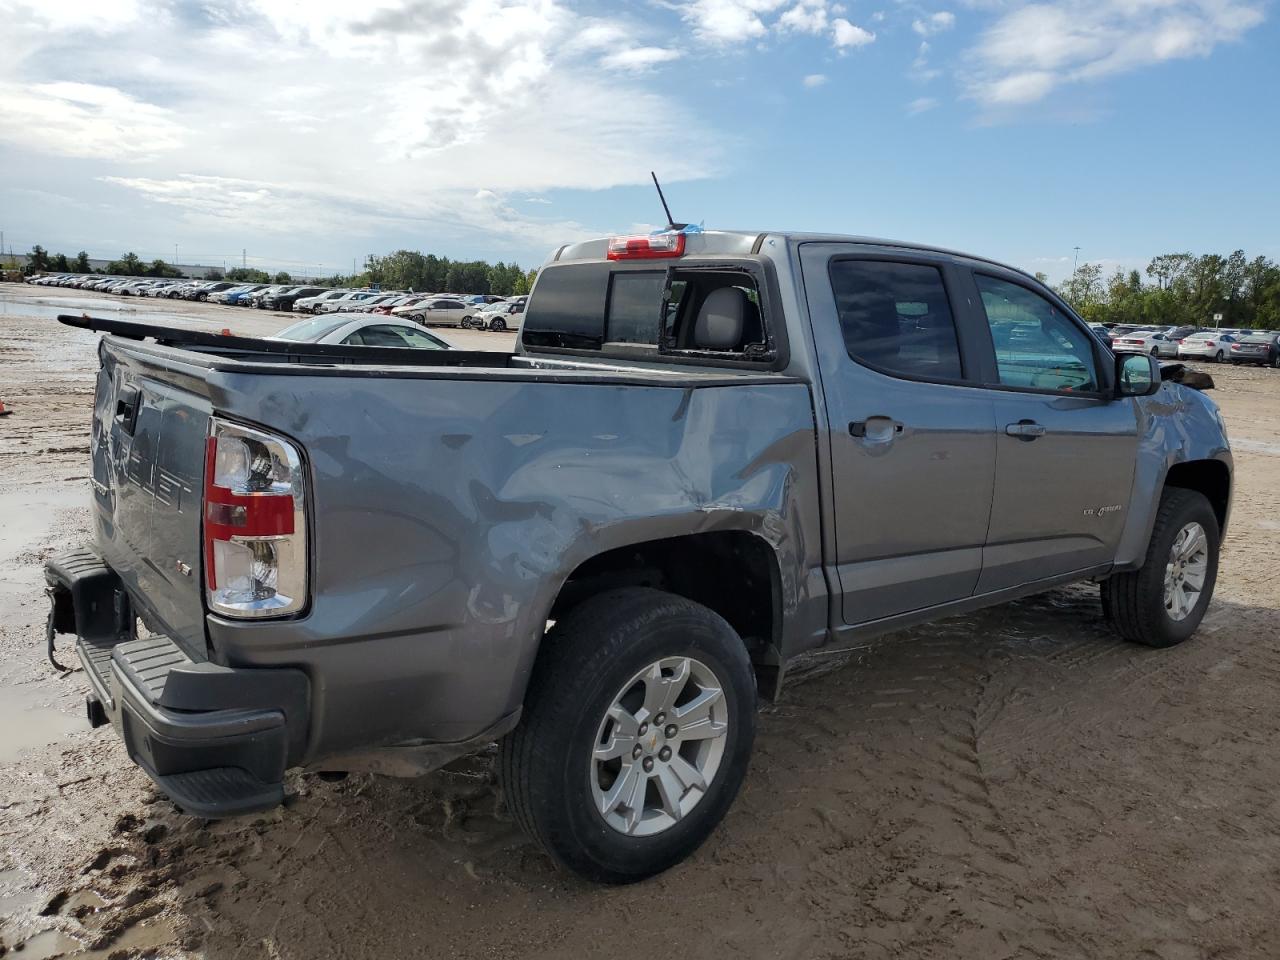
(348,300)
(366,304)
(502,315)
(309,304)
(444,311)
(362,331)
(1146,341)
(1206,346)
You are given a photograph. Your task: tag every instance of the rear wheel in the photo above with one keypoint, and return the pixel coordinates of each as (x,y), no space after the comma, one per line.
(1155,352)
(1162,603)
(636,734)
(467,323)
(1217,357)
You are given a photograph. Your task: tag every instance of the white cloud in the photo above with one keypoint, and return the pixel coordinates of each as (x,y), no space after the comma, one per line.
(807,16)
(729,21)
(1017,88)
(1035,48)
(815,80)
(920,105)
(352,117)
(87,120)
(848,35)
(934,23)
(639,58)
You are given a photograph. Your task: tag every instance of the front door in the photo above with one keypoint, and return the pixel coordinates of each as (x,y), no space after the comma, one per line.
(912,436)
(1065,449)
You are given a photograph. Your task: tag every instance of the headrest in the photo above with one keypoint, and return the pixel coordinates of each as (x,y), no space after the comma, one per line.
(719,323)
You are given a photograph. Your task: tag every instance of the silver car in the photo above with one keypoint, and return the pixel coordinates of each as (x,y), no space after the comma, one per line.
(1146,341)
(362,331)
(443,311)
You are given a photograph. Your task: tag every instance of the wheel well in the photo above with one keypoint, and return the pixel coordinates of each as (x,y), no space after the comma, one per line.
(1209,477)
(733,573)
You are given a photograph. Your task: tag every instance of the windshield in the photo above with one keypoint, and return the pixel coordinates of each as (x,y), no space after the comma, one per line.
(313,329)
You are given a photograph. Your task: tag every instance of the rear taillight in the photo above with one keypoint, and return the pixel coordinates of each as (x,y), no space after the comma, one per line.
(255,525)
(655,246)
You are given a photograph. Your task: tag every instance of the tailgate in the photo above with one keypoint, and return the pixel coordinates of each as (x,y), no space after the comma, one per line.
(149,428)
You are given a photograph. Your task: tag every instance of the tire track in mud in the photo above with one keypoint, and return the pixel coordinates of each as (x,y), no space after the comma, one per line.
(940,864)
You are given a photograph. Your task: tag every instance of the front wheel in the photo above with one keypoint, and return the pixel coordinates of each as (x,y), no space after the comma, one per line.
(637,730)
(1162,602)
(498,324)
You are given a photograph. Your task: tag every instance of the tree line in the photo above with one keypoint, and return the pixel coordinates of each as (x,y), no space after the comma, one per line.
(402,270)
(1180,289)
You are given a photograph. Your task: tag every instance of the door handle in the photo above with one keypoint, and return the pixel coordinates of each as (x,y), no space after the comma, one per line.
(1026,430)
(127,408)
(875,429)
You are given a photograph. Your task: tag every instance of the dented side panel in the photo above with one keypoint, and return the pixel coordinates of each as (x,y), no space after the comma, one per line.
(448,513)
(1175,425)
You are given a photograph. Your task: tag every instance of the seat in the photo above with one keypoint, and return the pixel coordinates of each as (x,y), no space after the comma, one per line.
(727,319)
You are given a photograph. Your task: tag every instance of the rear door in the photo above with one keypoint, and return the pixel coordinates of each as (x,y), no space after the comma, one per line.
(911,432)
(1065,450)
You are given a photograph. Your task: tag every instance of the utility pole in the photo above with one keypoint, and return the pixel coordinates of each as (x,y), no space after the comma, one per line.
(244,258)
(1075,264)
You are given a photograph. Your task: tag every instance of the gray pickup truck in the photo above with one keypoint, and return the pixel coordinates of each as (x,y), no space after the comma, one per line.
(710,454)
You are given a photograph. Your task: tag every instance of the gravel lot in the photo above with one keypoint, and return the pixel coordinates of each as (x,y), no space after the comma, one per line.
(1007,784)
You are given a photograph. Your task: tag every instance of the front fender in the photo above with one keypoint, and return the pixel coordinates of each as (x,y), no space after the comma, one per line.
(1175,425)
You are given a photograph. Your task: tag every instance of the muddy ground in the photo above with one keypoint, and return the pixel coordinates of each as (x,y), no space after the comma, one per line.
(1015,783)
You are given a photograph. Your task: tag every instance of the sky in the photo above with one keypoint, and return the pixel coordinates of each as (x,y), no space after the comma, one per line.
(309,133)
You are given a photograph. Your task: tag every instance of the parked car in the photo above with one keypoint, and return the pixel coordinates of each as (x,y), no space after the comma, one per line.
(499,315)
(362,331)
(1156,344)
(350,298)
(442,311)
(284,300)
(1260,348)
(309,304)
(1209,345)
(1102,333)
(604,547)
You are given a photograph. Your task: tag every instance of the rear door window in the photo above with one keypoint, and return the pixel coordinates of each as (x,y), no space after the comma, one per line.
(896,318)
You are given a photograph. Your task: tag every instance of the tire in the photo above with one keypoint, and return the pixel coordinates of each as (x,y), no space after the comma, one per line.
(467,323)
(554,786)
(1136,602)
(417,317)
(1155,352)
(1217,357)
(497,323)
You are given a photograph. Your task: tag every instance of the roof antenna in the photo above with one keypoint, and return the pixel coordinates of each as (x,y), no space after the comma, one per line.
(671,224)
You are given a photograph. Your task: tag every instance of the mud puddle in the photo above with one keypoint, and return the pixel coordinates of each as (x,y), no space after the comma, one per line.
(24,517)
(28,720)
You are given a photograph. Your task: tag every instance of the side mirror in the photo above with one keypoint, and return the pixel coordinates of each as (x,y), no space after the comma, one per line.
(1137,375)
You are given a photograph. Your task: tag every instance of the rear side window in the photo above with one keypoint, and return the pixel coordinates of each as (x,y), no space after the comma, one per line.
(701,312)
(896,318)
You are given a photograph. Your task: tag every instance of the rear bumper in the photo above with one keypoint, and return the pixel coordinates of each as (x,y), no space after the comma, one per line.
(216,739)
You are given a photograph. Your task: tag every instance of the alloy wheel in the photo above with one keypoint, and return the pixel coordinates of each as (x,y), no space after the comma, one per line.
(1185,571)
(659,747)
